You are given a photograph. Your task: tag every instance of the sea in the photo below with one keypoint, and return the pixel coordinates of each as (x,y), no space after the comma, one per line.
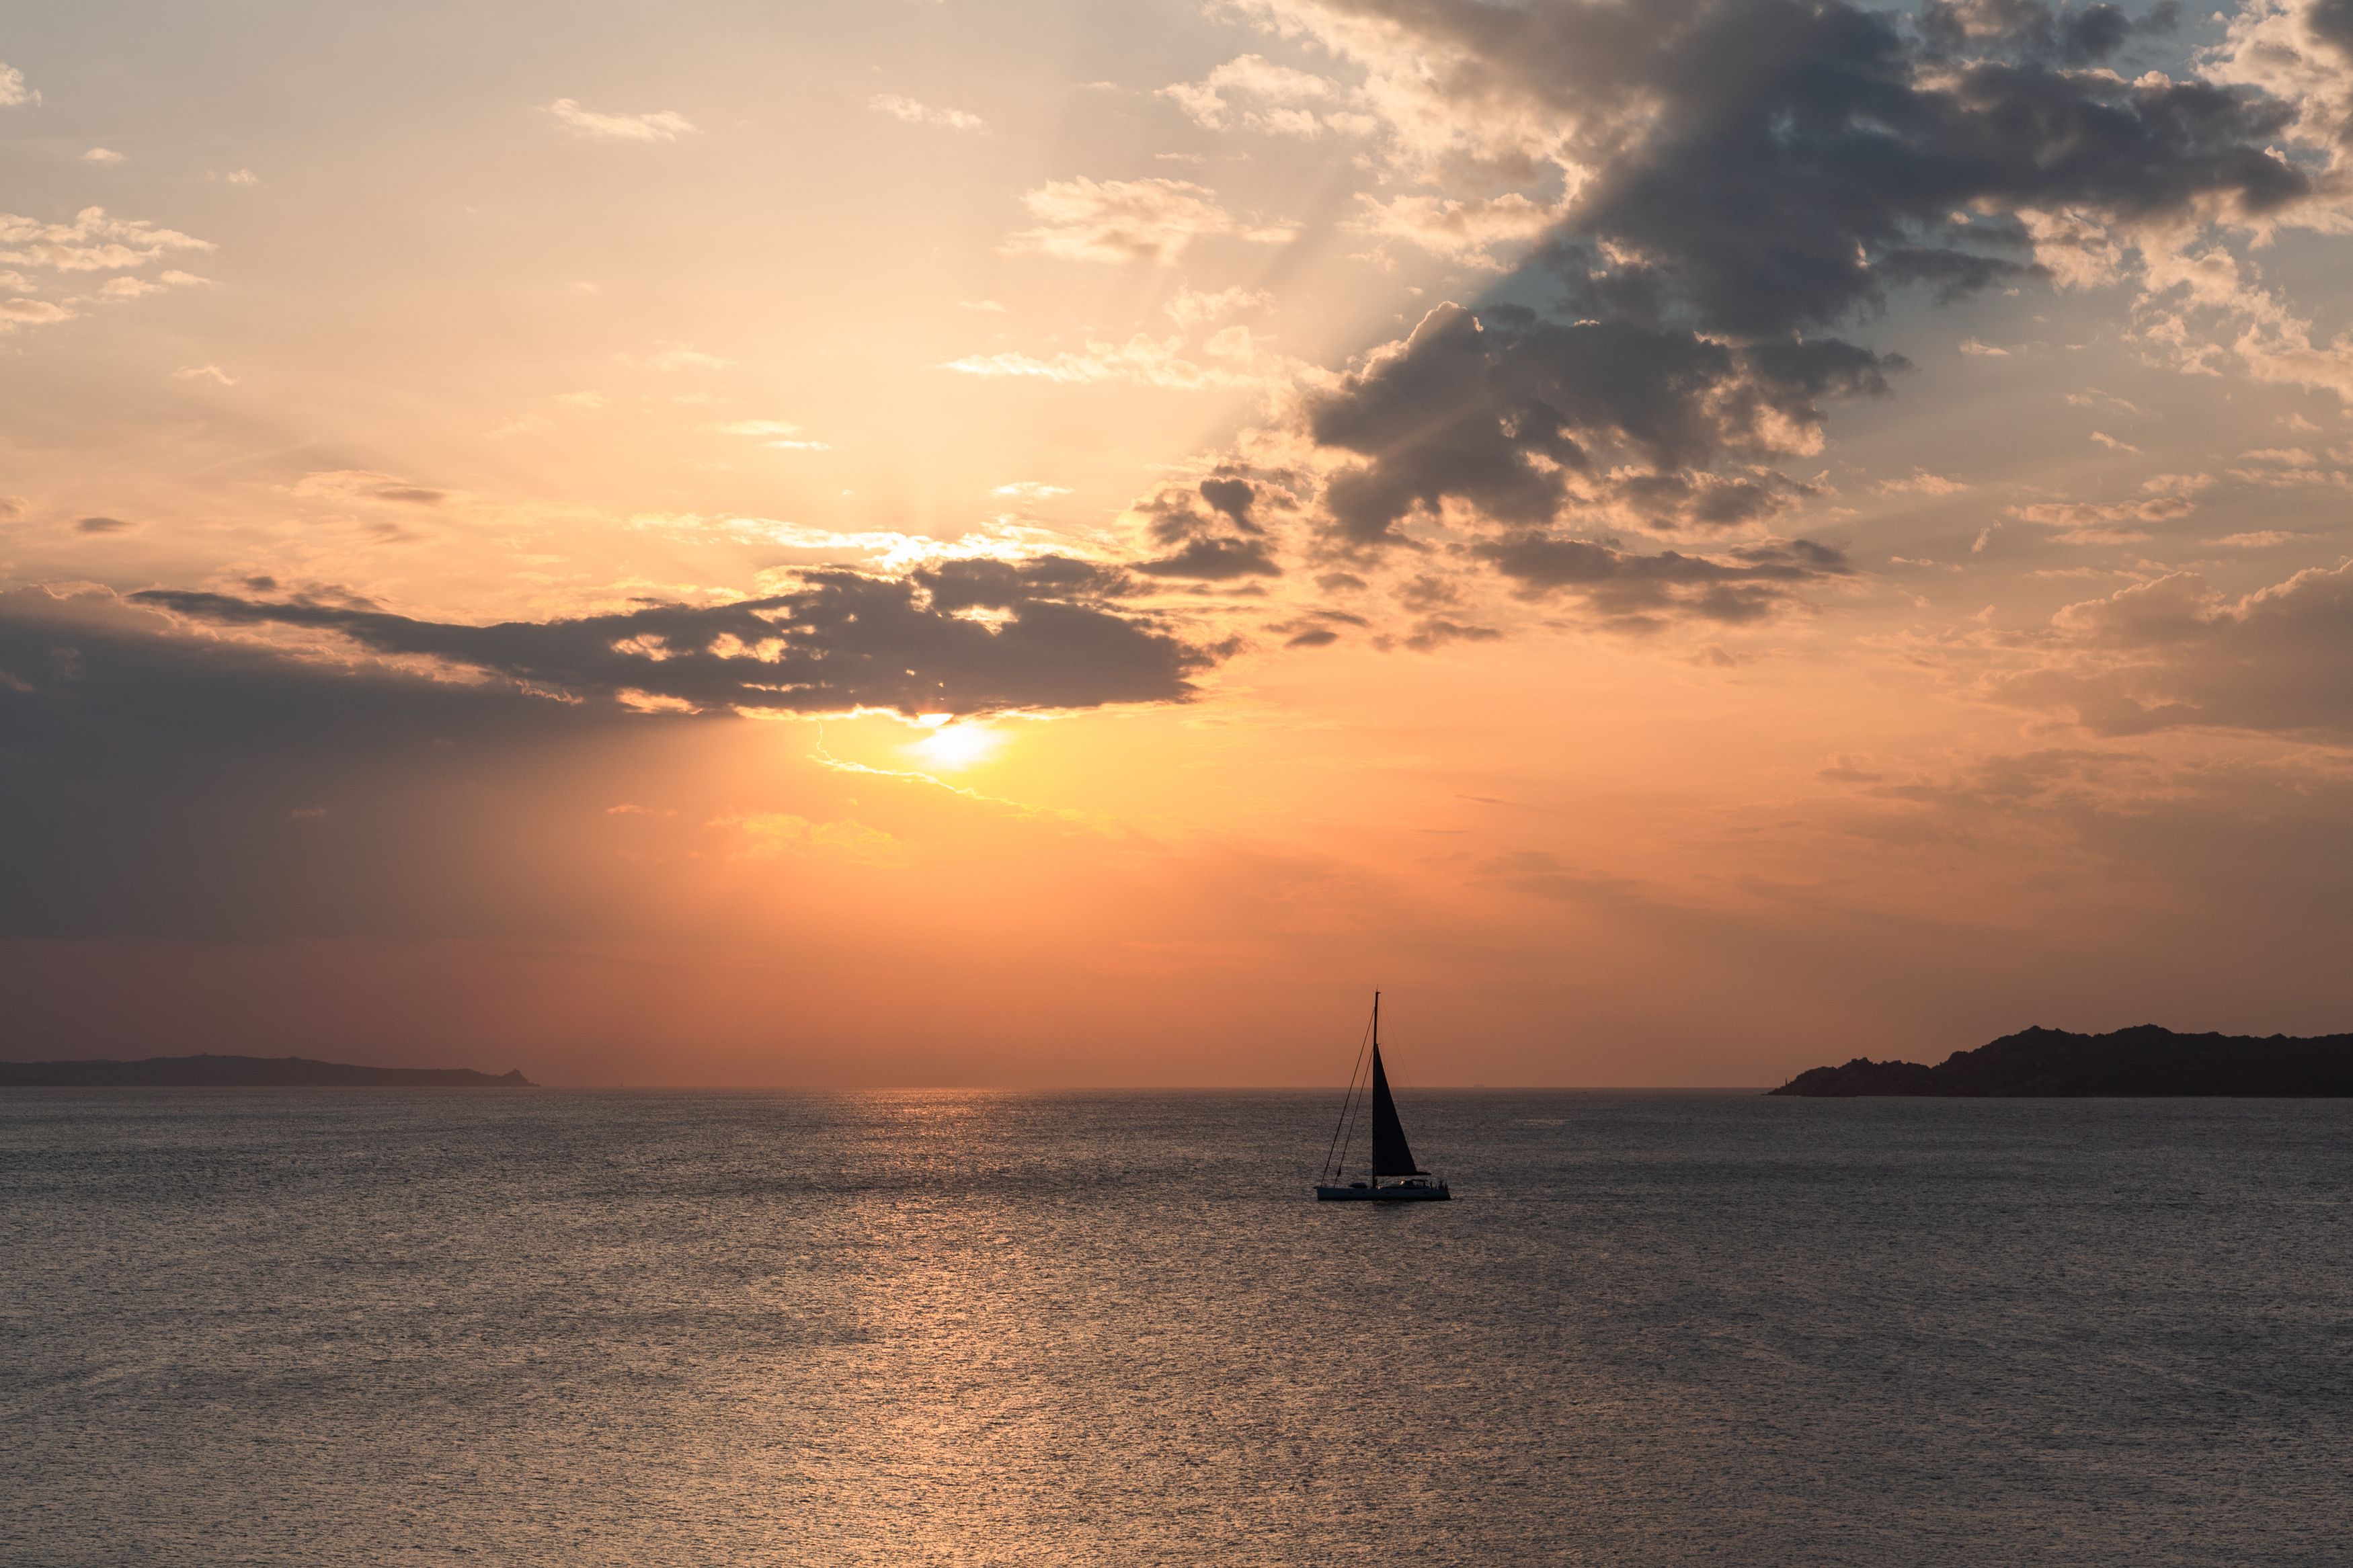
(586,1328)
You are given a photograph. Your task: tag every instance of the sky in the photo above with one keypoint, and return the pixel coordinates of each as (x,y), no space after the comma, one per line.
(1064,542)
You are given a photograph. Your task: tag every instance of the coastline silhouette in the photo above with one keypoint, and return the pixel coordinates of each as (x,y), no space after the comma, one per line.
(2143,1060)
(206,1071)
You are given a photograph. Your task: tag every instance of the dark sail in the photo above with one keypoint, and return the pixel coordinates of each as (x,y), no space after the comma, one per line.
(1391,1157)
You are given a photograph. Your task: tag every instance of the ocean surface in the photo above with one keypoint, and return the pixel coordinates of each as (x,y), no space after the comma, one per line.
(399,1327)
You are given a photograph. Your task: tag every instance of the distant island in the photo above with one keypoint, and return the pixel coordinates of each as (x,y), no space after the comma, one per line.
(2144,1060)
(243,1072)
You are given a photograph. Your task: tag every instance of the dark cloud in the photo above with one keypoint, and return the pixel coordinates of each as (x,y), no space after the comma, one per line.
(2332,21)
(836,641)
(149,781)
(1507,411)
(1642,593)
(1768,165)
(1218,544)
(1767,172)
(198,766)
(2176,653)
(102,525)
(1215,560)
(1234,497)
(1434,632)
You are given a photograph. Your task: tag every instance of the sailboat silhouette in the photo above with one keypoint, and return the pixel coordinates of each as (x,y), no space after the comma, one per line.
(1391,1155)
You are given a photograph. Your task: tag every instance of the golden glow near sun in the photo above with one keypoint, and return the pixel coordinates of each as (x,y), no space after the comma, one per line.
(954,747)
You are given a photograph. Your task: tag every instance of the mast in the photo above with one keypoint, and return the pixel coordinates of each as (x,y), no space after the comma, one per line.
(1373,1170)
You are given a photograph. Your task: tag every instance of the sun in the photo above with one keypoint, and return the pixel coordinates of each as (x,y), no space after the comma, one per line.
(954,746)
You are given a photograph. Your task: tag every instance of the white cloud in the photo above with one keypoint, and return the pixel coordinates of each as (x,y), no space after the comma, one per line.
(242,177)
(1921,482)
(15,314)
(1971,346)
(1256,94)
(1031,489)
(93,242)
(129,288)
(783,436)
(914,113)
(662,125)
(205,372)
(581,399)
(1467,231)
(13,91)
(677,356)
(2112,443)
(1129,220)
(1142,359)
(104,155)
(1191,309)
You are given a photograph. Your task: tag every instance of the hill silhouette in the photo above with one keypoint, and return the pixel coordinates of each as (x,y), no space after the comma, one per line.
(243,1072)
(2143,1060)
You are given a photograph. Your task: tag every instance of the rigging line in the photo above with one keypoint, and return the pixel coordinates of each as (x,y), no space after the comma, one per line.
(1347,1101)
(1356,1101)
(1347,1104)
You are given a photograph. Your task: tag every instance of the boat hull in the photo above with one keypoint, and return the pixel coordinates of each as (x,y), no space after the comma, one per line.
(1396,1194)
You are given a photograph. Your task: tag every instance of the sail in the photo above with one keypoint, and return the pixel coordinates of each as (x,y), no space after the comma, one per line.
(1391,1157)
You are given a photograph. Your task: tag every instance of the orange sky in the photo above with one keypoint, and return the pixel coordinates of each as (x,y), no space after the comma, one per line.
(1065,545)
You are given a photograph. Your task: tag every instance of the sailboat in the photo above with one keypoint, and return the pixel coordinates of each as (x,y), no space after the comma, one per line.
(1391,1156)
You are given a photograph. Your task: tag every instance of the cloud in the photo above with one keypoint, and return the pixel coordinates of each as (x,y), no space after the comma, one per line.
(1215,560)
(2298,53)
(1729,185)
(15,314)
(2176,653)
(1254,93)
(1642,592)
(781,435)
(769,835)
(1191,309)
(211,373)
(1215,530)
(1474,231)
(152,777)
(366,484)
(103,155)
(102,525)
(1511,416)
(1129,220)
(961,636)
(92,242)
(914,113)
(13,92)
(242,177)
(662,125)
(1143,360)
(2165,499)
(676,357)
(139,287)
(1921,482)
